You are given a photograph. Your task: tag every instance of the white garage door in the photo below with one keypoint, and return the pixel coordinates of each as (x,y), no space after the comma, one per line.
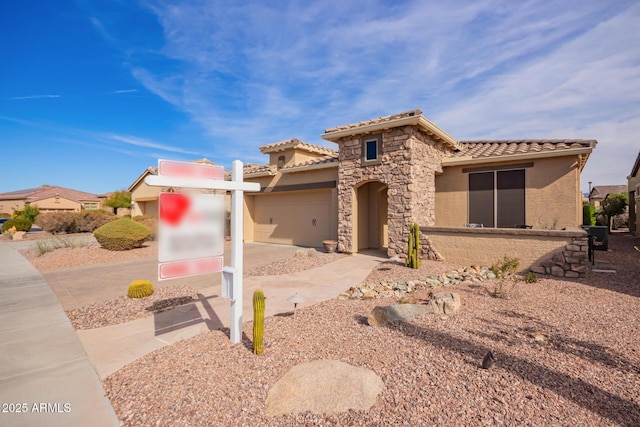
(300,218)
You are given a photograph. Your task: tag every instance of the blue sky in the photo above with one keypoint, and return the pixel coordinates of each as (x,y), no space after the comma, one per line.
(94,91)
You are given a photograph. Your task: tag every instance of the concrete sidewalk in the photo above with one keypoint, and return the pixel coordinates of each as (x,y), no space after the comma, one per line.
(112,347)
(46,377)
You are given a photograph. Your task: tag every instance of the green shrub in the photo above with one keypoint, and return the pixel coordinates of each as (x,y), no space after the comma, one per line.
(504,271)
(531,277)
(57,222)
(588,215)
(29,212)
(140,289)
(122,234)
(21,224)
(89,221)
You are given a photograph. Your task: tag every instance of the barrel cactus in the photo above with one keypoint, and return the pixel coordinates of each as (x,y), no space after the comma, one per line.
(258,320)
(140,289)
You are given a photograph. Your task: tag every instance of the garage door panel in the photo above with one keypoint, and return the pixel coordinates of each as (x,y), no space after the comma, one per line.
(296,218)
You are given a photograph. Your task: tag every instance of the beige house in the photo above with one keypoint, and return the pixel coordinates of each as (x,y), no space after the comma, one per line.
(144,198)
(633,186)
(600,192)
(50,198)
(391,171)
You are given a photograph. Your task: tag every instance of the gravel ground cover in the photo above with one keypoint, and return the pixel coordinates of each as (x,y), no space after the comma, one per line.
(304,260)
(124,309)
(566,353)
(85,255)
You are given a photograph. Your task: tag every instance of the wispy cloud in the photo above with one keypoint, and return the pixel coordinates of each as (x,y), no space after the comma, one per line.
(34,97)
(258,72)
(125,91)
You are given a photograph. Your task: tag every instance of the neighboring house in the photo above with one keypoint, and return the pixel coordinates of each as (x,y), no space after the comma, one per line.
(49,198)
(394,170)
(144,198)
(633,186)
(600,192)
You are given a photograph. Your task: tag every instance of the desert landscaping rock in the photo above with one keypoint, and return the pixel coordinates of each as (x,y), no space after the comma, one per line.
(324,386)
(384,315)
(442,303)
(397,289)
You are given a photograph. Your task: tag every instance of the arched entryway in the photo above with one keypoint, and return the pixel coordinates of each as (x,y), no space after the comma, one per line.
(370,216)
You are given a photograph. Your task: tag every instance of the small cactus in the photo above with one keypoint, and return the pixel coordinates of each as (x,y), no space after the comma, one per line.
(140,289)
(413,255)
(258,320)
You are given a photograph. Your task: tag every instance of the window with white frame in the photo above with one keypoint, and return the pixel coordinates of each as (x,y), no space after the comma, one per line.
(371,149)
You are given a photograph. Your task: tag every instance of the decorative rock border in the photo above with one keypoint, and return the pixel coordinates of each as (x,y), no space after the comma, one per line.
(473,274)
(572,262)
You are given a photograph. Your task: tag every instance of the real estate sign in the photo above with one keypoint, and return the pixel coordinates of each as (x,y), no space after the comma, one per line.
(190,234)
(191,224)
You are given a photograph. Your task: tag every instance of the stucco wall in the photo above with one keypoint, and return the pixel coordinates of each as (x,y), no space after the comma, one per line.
(552,195)
(633,186)
(8,206)
(294,178)
(468,246)
(57,204)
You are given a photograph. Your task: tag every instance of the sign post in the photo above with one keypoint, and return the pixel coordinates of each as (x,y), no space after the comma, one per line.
(198,176)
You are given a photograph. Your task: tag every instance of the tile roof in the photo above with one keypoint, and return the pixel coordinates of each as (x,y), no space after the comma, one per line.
(378,120)
(295,143)
(331,158)
(45,192)
(494,148)
(406,118)
(601,191)
(254,169)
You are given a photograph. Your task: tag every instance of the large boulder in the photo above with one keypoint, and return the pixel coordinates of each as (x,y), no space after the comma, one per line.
(440,303)
(324,386)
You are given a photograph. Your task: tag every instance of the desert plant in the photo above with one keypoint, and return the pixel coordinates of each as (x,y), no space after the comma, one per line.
(531,277)
(413,255)
(88,221)
(140,289)
(5,215)
(45,246)
(258,320)
(20,223)
(504,270)
(122,234)
(29,212)
(612,205)
(588,215)
(56,222)
(118,199)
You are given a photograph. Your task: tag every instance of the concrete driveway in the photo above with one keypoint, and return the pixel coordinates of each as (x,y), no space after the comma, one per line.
(83,285)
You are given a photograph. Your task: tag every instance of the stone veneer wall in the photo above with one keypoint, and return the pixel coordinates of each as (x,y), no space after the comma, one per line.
(410,159)
(561,253)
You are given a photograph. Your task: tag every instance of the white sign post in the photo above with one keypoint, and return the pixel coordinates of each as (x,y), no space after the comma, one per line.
(198,176)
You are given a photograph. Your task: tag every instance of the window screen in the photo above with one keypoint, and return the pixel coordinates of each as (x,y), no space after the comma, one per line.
(510,198)
(481,198)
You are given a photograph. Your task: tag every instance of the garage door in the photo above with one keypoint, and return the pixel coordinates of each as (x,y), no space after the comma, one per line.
(301,218)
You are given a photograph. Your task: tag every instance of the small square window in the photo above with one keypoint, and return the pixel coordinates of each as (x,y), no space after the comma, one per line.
(371,150)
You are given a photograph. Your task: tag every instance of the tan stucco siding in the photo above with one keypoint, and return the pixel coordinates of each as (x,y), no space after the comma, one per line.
(57,204)
(552,194)
(9,206)
(294,178)
(300,217)
(475,246)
